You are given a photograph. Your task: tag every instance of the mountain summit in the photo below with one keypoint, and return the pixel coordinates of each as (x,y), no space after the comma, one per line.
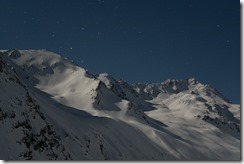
(51,108)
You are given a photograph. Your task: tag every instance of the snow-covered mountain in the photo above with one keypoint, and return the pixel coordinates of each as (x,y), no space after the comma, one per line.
(51,108)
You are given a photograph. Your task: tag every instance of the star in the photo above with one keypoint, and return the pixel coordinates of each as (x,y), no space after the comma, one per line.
(116,7)
(101,1)
(53,34)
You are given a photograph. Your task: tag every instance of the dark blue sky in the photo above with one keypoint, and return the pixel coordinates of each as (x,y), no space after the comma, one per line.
(134,40)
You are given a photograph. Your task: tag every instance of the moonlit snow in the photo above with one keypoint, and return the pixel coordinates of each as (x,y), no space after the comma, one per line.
(51,108)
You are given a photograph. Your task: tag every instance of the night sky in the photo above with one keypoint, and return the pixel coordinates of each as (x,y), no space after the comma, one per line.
(134,40)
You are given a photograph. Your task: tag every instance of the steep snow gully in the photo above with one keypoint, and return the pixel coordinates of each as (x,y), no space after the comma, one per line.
(52,109)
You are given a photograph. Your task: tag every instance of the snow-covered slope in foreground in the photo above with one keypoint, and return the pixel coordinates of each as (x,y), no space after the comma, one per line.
(50,108)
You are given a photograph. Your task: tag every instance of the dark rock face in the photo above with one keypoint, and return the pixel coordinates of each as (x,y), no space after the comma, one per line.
(22,115)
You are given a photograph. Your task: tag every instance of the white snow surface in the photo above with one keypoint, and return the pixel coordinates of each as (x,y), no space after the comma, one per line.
(51,108)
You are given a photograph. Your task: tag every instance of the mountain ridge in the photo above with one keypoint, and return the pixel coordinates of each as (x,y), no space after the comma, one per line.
(167,118)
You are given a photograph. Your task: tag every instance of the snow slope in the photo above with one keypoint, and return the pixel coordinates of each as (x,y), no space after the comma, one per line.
(53,109)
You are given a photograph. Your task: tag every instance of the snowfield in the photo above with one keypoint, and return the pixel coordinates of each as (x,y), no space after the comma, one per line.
(52,109)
